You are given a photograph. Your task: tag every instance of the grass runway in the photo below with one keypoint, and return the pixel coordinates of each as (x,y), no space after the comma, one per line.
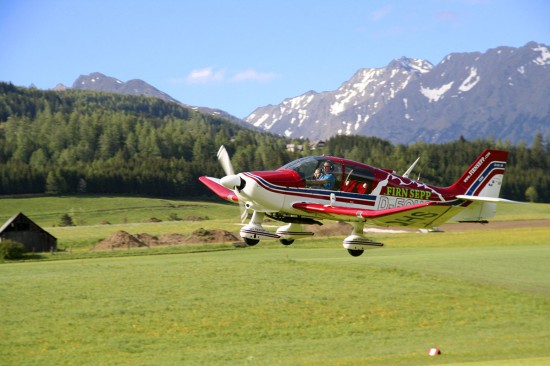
(281,306)
(482,296)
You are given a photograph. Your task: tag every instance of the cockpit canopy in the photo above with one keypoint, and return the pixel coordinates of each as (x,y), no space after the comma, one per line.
(305,167)
(350,176)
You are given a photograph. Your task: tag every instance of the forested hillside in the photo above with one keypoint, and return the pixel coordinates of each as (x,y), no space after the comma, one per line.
(79,141)
(85,141)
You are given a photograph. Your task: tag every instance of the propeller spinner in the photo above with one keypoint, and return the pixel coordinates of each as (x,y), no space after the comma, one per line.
(231,180)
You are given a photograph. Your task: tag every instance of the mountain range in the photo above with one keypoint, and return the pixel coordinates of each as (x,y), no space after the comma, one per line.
(502,93)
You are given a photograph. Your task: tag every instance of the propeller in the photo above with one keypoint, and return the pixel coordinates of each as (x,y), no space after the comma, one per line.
(231,180)
(223,158)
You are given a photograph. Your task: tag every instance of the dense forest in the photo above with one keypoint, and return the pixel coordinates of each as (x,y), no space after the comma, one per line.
(75,141)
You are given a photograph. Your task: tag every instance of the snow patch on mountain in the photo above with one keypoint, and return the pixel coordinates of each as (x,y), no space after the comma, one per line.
(260,121)
(300,102)
(347,93)
(470,81)
(544,58)
(435,94)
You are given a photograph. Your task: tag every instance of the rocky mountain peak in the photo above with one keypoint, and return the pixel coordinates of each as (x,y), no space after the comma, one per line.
(100,82)
(343,111)
(412,65)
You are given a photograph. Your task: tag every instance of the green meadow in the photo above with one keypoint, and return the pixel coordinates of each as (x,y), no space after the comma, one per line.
(482,296)
(98,217)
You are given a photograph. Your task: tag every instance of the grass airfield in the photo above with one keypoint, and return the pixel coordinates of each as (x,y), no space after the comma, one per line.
(482,296)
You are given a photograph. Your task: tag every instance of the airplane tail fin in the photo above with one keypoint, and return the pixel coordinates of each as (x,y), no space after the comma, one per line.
(479,187)
(484,177)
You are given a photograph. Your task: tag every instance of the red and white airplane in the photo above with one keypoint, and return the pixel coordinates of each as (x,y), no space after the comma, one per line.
(361,195)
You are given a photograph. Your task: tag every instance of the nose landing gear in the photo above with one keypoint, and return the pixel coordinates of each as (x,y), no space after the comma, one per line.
(254,231)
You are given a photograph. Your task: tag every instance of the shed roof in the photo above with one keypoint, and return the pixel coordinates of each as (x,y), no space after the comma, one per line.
(19,217)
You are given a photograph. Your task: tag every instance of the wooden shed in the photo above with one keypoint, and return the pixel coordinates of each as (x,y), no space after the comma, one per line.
(23,230)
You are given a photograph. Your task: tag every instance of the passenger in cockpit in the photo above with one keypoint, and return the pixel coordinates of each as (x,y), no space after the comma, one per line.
(317,173)
(326,180)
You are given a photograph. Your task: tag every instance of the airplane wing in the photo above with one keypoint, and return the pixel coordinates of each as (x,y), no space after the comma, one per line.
(216,187)
(422,215)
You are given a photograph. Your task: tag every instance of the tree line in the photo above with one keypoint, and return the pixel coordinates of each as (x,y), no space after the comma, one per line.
(77,141)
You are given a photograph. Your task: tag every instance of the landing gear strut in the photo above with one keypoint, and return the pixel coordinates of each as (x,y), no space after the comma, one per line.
(254,231)
(357,242)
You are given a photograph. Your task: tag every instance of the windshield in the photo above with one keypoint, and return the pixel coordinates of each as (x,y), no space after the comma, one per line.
(305,167)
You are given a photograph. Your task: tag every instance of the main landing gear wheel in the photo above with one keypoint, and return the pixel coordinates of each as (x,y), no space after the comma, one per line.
(251,242)
(355,252)
(286,241)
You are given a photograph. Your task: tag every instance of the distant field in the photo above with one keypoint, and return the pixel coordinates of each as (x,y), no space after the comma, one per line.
(95,210)
(522,212)
(98,217)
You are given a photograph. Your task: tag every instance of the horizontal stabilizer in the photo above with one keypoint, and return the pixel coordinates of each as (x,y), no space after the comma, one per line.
(485,199)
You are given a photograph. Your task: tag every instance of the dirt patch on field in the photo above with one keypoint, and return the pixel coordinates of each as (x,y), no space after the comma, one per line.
(123,240)
(197,236)
(120,239)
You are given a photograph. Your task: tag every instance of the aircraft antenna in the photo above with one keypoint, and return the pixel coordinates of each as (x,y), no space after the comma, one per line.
(406,175)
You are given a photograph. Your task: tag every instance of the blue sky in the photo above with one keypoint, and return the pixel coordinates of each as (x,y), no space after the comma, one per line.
(240,55)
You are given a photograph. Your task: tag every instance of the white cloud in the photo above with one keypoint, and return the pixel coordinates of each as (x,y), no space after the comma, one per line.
(253,75)
(211,75)
(205,76)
